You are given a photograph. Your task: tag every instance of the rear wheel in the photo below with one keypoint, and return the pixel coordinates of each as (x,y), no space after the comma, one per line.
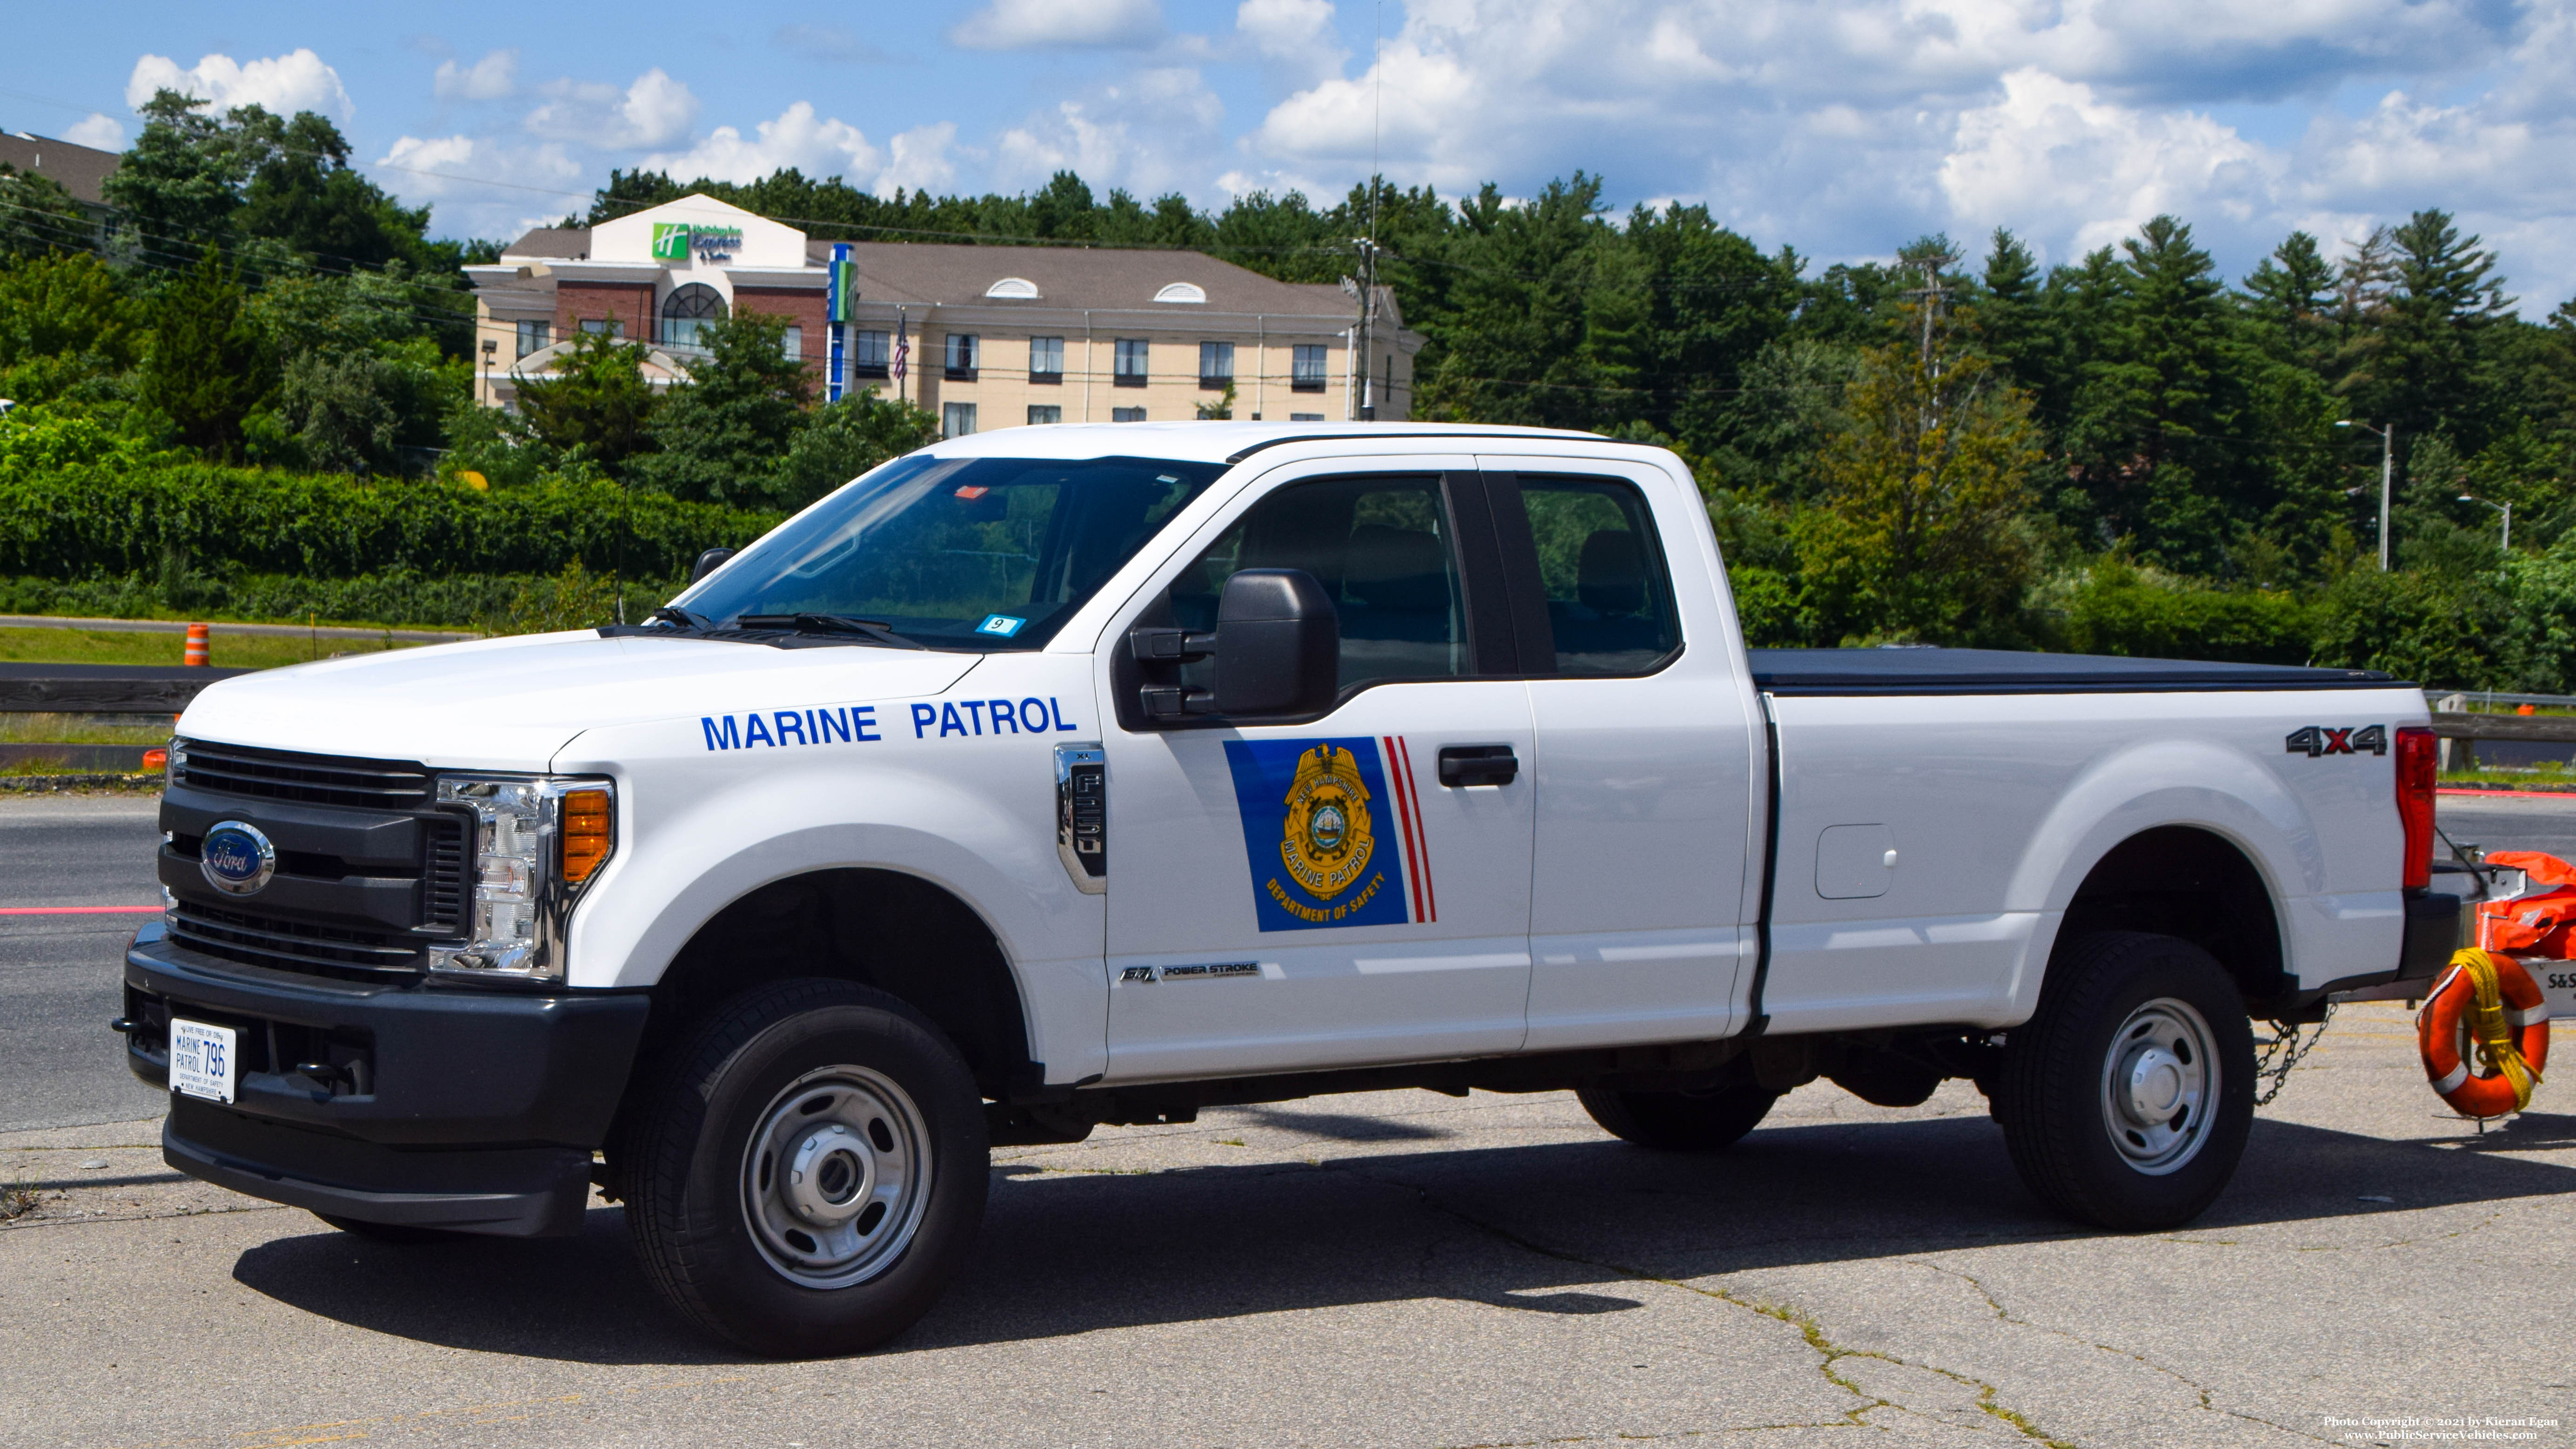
(813,1173)
(1679,1121)
(2127,1099)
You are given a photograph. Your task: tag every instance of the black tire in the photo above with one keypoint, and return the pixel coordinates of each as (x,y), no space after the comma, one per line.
(401,1234)
(2094,1153)
(720,1245)
(1679,1121)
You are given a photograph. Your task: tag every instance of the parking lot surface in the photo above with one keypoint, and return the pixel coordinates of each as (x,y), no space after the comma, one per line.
(1391,1269)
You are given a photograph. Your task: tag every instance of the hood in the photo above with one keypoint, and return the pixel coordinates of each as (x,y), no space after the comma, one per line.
(513,703)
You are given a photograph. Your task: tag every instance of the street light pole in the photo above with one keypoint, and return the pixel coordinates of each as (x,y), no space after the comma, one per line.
(2387,469)
(2504,508)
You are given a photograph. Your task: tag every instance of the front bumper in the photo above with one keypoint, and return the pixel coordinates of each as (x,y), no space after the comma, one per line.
(427,1105)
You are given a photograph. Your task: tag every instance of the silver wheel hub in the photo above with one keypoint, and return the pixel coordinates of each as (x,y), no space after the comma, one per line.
(836,1177)
(2160,1085)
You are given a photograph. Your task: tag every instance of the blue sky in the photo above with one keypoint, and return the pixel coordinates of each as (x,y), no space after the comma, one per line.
(1842,129)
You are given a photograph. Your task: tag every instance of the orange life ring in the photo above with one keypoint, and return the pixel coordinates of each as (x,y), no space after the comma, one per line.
(2490,1001)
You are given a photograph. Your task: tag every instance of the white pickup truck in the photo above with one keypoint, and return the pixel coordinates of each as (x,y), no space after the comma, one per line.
(1065,776)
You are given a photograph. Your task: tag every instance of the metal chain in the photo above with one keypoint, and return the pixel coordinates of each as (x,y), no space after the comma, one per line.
(2289,1044)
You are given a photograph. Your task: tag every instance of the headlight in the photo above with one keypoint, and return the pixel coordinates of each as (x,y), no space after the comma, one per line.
(537,841)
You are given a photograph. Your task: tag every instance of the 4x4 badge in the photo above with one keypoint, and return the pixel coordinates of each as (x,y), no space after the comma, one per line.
(2318,740)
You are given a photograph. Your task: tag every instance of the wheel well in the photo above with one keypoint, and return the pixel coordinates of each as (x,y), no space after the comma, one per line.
(2176,880)
(898,933)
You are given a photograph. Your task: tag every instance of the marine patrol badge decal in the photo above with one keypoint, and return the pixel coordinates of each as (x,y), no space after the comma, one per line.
(1331,832)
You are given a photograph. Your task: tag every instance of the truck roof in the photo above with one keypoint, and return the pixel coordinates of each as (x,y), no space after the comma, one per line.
(1219,442)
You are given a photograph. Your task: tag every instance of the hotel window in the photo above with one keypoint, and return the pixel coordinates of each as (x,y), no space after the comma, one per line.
(1131,363)
(1306,369)
(604,326)
(869,352)
(1040,413)
(956,420)
(1216,365)
(1126,415)
(961,358)
(532,336)
(687,312)
(793,344)
(1046,361)
(1305,417)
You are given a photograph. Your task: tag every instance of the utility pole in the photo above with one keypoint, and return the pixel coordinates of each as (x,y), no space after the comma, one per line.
(2387,471)
(1366,291)
(2505,543)
(1930,295)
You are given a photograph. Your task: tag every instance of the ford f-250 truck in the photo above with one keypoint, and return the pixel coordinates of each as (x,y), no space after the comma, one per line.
(1077,775)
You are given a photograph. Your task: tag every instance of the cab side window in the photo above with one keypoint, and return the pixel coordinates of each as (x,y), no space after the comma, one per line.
(1609,601)
(1383,547)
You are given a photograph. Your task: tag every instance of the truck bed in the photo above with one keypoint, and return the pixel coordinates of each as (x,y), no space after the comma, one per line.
(1911,670)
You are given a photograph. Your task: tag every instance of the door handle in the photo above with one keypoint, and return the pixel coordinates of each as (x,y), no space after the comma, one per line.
(1464,765)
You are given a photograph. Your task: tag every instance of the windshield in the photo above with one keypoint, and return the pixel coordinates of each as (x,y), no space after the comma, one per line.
(957,553)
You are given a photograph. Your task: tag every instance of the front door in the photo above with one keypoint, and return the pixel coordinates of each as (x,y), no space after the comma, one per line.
(1298,896)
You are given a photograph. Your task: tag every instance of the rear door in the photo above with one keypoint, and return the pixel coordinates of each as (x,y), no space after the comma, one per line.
(1650,803)
(1310,895)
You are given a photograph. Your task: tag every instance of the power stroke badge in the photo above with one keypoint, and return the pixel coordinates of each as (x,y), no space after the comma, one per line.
(1331,832)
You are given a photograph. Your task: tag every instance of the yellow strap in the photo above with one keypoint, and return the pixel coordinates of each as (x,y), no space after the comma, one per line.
(2496,1046)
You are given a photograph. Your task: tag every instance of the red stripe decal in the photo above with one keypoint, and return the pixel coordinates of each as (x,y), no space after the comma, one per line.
(79,910)
(1403,822)
(1422,834)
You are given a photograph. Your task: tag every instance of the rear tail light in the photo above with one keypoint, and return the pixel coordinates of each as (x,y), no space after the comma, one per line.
(2415,774)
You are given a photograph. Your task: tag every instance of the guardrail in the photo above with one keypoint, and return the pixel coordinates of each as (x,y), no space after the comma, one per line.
(101,696)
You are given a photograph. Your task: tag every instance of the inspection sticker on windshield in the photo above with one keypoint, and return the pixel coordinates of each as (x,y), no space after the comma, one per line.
(1002,624)
(202,1060)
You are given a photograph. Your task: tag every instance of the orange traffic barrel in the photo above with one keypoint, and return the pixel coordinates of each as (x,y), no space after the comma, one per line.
(196,645)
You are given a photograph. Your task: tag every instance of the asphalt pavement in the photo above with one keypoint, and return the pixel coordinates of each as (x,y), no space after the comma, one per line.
(1390,1269)
(60,974)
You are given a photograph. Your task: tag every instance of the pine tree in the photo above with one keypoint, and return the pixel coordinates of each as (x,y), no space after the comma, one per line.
(208,364)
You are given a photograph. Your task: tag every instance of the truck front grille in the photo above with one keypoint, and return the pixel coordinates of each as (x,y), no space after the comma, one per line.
(288,945)
(314,779)
(442,874)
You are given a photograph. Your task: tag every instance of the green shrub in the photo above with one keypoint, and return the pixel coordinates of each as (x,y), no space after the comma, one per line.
(103,522)
(2116,608)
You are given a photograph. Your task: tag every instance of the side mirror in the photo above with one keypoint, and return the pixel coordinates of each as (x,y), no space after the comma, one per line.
(1278,645)
(708,563)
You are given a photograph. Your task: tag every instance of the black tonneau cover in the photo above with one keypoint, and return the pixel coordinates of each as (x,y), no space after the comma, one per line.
(2005,671)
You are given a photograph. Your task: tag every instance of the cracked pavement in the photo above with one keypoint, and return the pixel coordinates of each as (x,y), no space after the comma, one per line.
(1393,1269)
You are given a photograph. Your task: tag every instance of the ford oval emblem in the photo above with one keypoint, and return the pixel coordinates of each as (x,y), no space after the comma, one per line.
(237,859)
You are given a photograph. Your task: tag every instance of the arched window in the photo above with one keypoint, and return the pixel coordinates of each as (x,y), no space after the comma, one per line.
(687,311)
(1013,288)
(1181,292)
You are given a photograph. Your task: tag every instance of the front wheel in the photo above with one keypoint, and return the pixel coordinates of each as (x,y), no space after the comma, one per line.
(2127,1099)
(813,1174)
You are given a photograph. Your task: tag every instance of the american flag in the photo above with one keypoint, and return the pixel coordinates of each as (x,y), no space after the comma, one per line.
(902,352)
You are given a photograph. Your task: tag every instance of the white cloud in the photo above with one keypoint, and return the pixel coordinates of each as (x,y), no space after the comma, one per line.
(920,160)
(1059,24)
(296,81)
(99,131)
(797,138)
(655,111)
(2050,147)
(480,187)
(1151,134)
(1295,37)
(494,77)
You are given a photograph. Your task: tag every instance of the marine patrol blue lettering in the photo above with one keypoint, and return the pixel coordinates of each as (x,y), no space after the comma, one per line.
(923,717)
(855,724)
(949,721)
(830,722)
(728,738)
(790,723)
(755,733)
(975,712)
(1003,714)
(1033,710)
(862,718)
(1060,722)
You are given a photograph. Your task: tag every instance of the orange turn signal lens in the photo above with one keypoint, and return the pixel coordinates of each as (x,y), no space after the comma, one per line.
(585,834)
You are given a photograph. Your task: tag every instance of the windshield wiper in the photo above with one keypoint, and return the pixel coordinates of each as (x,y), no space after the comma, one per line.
(828,624)
(670,614)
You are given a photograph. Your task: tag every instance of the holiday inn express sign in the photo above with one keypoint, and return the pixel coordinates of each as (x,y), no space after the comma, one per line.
(678,241)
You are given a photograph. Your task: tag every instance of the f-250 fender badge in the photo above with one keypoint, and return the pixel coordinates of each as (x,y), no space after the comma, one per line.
(2316,740)
(1332,832)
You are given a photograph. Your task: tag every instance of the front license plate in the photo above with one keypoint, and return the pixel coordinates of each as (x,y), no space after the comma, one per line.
(202,1060)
